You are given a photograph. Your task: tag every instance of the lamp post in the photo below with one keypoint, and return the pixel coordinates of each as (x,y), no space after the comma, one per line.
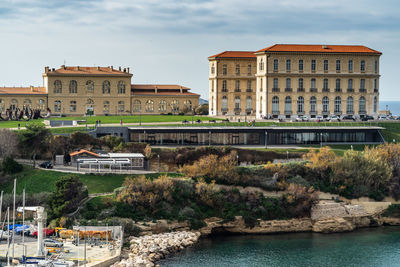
(237,158)
(287,155)
(192,115)
(158,157)
(209,138)
(321,140)
(266,139)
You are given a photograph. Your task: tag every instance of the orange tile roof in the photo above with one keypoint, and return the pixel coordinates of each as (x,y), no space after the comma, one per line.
(23,90)
(83,151)
(165,93)
(319,48)
(78,70)
(159,86)
(233,54)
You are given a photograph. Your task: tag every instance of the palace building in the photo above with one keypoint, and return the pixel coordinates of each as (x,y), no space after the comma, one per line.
(99,91)
(285,81)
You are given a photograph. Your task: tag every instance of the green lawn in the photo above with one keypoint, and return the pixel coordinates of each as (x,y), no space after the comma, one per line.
(14,124)
(36,181)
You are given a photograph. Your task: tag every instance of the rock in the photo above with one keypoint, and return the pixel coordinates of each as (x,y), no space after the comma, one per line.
(335,225)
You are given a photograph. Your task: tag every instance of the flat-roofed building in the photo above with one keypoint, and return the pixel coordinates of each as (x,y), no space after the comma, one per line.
(293,80)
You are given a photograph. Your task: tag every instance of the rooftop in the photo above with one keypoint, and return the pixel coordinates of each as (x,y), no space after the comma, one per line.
(23,90)
(79,70)
(319,48)
(234,54)
(158,86)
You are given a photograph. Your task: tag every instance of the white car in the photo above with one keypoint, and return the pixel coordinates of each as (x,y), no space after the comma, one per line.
(333,118)
(302,118)
(382,117)
(317,118)
(53,243)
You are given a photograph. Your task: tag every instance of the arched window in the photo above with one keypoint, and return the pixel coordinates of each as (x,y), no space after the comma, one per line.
(275,104)
(350,105)
(149,105)
(212,69)
(301,83)
(2,106)
(73,87)
(375,104)
(325,104)
(57,87)
(106,87)
(249,103)
(261,64)
(362,65)
(90,106)
(57,106)
(338,104)
(300,104)
(14,104)
(27,103)
(72,106)
(121,87)
(41,104)
(313,104)
(288,83)
(106,107)
(121,106)
(89,86)
(237,102)
(187,105)
(362,105)
(224,88)
(137,106)
(288,104)
(225,102)
(175,105)
(162,106)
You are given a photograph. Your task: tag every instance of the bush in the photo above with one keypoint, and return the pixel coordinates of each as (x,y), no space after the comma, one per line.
(10,166)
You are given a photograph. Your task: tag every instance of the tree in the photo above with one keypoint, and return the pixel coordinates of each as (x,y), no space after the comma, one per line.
(34,139)
(202,109)
(8,143)
(69,192)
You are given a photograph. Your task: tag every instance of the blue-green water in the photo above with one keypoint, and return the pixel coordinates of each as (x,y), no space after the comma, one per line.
(365,247)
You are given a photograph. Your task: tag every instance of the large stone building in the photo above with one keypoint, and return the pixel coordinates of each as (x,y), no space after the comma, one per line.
(99,91)
(285,81)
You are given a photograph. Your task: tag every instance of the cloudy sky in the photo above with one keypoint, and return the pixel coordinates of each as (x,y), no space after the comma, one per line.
(168,41)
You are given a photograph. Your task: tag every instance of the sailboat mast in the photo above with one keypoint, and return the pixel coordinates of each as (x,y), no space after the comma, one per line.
(23,222)
(8,236)
(13,230)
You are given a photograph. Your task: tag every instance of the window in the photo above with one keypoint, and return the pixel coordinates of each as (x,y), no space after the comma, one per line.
(350,65)
(224,71)
(162,106)
(225,103)
(338,104)
(137,106)
(375,104)
(275,104)
(300,104)
(301,82)
(249,85)
(14,104)
(73,87)
(313,65)
(337,65)
(41,104)
(27,103)
(288,83)
(175,105)
(326,65)
(288,65)
(57,87)
(237,86)
(121,87)
(376,66)
(106,107)
(121,106)
(90,106)
(276,83)
(261,84)
(313,104)
(249,70)
(57,106)
(375,84)
(301,65)
(362,84)
(237,69)
(337,85)
(313,84)
(362,66)
(362,105)
(325,104)
(106,87)
(350,84)
(150,106)
(325,86)
(288,104)
(187,104)
(212,69)
(89,86)
(276,64)
(249,103)
(224,86)
(237,102)
(261,64)
(349,106)
(72,106)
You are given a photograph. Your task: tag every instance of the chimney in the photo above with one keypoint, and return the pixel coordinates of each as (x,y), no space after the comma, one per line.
(77,68)
(325,47)
(120,68)
(128,69)
(112,68)
(98,68)
(180,88)
(46,69)
(53,69)
(124,69)
(63,67)
(155,89)
(32,88)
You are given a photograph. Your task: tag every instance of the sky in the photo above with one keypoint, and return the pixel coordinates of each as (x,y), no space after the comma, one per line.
(168,41)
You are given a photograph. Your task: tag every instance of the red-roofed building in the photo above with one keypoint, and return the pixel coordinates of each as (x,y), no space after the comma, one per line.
(291,80)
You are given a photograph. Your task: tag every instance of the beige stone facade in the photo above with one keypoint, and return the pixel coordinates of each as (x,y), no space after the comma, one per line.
(293,80)
(75,91)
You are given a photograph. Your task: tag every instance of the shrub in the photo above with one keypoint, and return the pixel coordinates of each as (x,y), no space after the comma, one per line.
(10,166)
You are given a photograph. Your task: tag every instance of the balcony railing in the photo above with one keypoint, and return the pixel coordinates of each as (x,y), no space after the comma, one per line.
(363,90)
(338,89)
(313,90)
(249,90)
(350,90)
(288,89)
(237,90)
(300,90)
(275,89)
(325,89)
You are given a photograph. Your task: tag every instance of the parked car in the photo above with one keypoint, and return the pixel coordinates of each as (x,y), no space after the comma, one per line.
(317,118)
(46,232)
(367,118)
(302,118)
(333,118)
(383,117)
(52,243)
(46,165)
(348,118)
